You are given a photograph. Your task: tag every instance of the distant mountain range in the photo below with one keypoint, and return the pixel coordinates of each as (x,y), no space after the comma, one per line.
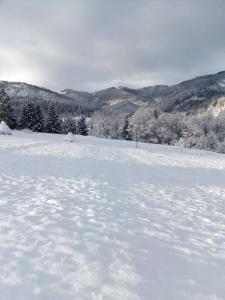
(200,93)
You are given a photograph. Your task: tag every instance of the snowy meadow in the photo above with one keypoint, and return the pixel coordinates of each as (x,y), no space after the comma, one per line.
(98,219)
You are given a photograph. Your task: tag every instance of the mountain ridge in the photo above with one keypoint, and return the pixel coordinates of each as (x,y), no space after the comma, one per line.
(191,95)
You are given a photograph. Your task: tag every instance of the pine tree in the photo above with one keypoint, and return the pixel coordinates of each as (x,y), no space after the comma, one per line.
(156,113)
(125,132)
(24,117)
(39,120)
(82,128)
(52,124)
(6,111)
(28,118)
(69,125)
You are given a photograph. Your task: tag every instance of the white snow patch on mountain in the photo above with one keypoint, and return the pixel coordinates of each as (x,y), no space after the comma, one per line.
(222,83)
(217,108)
(100,220)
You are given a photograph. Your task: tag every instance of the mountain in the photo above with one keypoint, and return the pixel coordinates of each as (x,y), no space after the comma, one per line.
(194,94)
(82,98)
(200,93)
(20,93)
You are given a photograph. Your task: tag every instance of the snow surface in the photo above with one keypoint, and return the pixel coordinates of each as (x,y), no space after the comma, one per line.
(101,220)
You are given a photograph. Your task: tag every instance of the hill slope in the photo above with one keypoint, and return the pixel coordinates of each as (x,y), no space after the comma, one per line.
(200,93)
(20,93)
(194,94)
(98,219)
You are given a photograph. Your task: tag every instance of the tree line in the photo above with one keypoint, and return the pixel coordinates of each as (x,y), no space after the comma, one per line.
(33,118)
(201,131)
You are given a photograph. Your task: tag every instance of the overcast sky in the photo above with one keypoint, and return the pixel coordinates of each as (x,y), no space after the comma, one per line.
(93,44)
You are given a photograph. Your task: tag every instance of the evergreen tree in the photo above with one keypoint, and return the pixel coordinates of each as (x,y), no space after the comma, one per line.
(125,130)
(52,124)
(69,125)
(24,117)
(39,120)
(28,118)
(82,128)
(6,111)
(156,113)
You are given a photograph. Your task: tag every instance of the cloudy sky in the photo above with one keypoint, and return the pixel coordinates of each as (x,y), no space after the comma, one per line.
(93,44)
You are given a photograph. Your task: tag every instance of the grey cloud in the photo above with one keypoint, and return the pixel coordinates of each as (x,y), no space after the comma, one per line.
(92,44)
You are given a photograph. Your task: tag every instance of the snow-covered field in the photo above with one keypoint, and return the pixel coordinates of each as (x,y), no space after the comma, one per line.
(100,220)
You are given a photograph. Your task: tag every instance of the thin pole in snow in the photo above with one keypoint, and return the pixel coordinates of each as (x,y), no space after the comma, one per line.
(136,140)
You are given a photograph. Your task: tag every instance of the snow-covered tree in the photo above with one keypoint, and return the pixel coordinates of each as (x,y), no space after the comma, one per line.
(82,127)
(221,147)
(168,128)
(28,116)
(125,129)
(203,130)
(147,126)
(52,123)
(6,111)
(140,123)
(219,126)
(38,119)
(156,113)
(212,141)
(32,117)
(208,142)
(106,124)
(24,118)
(191,133)
(100,125)
(69,125)
(4,129)
(115,126)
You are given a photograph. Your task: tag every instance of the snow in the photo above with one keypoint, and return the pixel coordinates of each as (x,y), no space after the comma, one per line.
(217,108)
(69,137)
(102,220)
(4,129)
(222,83)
